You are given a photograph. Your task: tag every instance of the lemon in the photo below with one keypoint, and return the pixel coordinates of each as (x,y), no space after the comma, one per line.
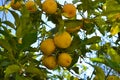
(49,62)
(64,59)
(31,6)
(113,77)
(47,46)
(16,5)
(49,6)
(69,10)
(62,40)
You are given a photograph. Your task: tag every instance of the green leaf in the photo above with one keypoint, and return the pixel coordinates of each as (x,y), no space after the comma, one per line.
(18,77)
(73,23)
(115,57)
(99,73)
(95,46)
(36,72)
(112,64)
(115,29)
(74,45)
(76,70)
(9,24)
(16,17)
(99,60)
(92,40)
(5,45)
(111,6)
(29,39)
(11,69)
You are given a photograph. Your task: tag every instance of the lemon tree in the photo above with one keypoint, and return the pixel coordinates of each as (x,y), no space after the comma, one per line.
(59,40)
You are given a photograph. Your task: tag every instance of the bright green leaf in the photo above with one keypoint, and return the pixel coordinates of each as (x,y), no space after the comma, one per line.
(115,29)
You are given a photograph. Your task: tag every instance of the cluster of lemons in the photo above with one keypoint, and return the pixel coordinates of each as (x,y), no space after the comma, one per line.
(61,40)
(48,47)
(48,6)
(30,5)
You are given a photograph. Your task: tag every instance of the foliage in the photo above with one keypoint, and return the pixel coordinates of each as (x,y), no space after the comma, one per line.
(95,44)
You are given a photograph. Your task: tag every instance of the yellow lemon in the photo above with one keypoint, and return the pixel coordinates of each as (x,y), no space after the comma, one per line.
(31,6)
(49,6)
(69,10)
(64,59)
(62,40)
(47,46)
(113,77)
(49,62)
(16,5)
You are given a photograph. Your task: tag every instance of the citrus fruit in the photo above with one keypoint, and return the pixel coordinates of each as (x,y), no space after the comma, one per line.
(64,59)
(49,62)
(49,6)
(47,46)
(16,5)
(69,10)
(31,6)
(62,40)
(113,77)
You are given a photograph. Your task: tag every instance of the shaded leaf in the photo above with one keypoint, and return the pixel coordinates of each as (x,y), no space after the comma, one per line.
(99,73)
(8,23)
(94,39)
(16,17)
(11,69)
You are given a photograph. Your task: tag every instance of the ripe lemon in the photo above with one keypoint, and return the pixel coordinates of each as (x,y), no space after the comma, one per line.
(16,5)
(31,6)
(49,62)
(69,10)
(47,46)
(64,59)
(113,77)
(49,6)
(62,40)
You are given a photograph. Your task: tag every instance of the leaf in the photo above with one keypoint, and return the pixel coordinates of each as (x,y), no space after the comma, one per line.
(11,69)
(95,46)
(92,40)
(74,45)
(115,57)
(16,17)
(18,77)
(76,70)
(115,29)
(36,72)
(9,24)
(111,6)
(99,60)
(29,39)
(5,45)
(99,73)
(112,64)
(73,23)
